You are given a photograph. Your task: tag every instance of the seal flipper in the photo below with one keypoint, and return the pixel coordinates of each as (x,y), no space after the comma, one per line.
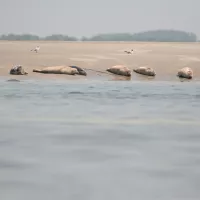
(37,70)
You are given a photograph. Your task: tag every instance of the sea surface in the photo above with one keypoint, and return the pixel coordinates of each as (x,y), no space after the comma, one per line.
(99,140)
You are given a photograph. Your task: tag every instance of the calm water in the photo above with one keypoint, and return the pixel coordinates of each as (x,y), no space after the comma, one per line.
(93,140)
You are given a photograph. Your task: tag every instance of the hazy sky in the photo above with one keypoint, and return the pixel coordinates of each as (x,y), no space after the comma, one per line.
(88,17)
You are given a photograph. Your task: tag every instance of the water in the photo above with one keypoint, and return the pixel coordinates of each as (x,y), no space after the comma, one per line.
(99,140)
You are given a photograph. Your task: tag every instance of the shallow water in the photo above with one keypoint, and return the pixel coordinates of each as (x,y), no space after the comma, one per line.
(99,140)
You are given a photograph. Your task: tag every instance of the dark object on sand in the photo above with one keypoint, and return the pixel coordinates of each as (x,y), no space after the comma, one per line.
(80,70)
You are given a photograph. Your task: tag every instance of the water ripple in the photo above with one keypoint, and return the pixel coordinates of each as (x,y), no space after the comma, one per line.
(79,140)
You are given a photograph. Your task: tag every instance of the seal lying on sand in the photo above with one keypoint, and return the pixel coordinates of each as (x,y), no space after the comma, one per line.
(18,70)
(57,70)
(145,71)
(80,70)
(120,70)
(185,72)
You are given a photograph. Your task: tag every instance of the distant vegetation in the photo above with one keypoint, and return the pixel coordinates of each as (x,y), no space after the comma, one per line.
(155,35)
(158,35)
(29,37)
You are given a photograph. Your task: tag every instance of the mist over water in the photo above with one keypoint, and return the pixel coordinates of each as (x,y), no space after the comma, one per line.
(99,140)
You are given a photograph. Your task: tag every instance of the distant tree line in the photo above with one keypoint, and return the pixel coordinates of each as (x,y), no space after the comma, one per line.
(154,35)
(30,37)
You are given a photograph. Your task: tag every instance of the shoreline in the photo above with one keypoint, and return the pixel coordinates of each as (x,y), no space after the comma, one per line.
(77,78)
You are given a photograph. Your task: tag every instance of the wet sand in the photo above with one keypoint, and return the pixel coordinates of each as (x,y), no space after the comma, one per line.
(165,58)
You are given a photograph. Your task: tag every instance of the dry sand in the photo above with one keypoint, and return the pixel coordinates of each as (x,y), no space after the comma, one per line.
(165,58)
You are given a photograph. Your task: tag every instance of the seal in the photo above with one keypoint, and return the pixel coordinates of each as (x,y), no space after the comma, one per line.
(57,70)
(80,70)
(185,72)
(18,70)
(145,71)
(119,70)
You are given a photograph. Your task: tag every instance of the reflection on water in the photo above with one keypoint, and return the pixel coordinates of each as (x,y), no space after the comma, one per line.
(99,140)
